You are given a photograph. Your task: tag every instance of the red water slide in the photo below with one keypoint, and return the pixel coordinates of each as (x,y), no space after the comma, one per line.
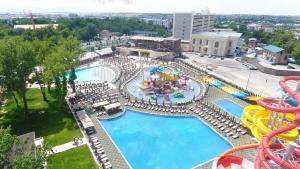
(265,152)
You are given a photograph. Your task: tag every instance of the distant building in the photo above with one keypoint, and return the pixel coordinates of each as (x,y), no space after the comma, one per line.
(275,55)
(153,47)
(215,43)
(108,34)
(144,33)
(266,27)
(37,26)
(162,22)
(186,24)
(252,42)
(222,30)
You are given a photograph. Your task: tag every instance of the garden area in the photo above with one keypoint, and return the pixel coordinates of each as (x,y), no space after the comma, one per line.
(77,158)
(49,119)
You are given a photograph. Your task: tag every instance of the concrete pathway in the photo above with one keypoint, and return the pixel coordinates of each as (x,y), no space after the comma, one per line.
(67,146)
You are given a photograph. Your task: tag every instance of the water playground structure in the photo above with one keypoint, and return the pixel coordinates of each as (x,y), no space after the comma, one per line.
(163,81)
(273,122)
(228,89)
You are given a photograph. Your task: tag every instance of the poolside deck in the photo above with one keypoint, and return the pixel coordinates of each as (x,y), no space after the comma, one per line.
(116,158)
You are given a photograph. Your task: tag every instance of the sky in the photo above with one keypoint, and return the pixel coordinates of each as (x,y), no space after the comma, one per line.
(268,7)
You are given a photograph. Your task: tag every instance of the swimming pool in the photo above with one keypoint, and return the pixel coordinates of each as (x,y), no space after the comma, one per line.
(230,107)
(154,141)
(133,88)
(101,73)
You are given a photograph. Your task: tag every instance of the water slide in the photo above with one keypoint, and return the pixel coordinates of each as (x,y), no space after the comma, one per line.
(227,161)
(272,153)
(228,89)
(258,120)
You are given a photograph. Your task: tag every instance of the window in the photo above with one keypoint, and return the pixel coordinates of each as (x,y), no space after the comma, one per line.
(230,43)
(200,49)
(215,52)
(194,41)
(200,42)
(206,42)
(216,44)
(193,49)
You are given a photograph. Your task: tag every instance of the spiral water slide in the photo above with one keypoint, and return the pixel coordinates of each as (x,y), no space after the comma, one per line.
(266,156)
(271,155)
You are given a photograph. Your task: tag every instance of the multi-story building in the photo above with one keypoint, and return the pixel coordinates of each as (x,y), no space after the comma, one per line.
(186,24)
(215,43)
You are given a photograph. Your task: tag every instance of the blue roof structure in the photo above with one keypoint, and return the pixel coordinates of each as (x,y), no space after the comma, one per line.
(273,48)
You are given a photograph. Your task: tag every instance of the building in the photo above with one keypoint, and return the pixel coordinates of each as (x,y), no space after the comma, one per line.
(26,143)
(252,42)
(153,47)
(186,24)
(215,43)
(162,22)
(275,55)
(37,26)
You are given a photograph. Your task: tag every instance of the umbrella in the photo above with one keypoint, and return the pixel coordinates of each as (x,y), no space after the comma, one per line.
(135,99)
(149,101)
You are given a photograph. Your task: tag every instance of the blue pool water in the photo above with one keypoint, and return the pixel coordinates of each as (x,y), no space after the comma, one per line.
(230,107)
(164,142)
(95,73)
(133,88)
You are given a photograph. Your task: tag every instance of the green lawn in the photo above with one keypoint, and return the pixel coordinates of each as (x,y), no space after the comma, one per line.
(77,158)
(56,125)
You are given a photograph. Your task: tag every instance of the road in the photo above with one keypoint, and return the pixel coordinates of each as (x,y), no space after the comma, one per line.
(233,71)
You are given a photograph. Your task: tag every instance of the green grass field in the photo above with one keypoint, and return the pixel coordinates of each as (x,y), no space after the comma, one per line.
(77,158)
(56,124)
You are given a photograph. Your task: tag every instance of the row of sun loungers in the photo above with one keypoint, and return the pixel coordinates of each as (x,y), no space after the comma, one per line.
(223,122)
(100,153)
(158,107)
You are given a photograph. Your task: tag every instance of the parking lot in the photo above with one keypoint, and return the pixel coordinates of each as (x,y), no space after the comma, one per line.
(234,71)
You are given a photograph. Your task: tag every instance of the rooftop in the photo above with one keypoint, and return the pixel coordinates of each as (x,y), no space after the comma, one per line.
(220,34)
(273,48)
(157,39)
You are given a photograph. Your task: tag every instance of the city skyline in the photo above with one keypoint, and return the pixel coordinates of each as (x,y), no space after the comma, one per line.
(267,7)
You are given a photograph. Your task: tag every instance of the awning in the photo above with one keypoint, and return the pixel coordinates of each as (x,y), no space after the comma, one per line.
(100,104)
(112,106)
(85,120)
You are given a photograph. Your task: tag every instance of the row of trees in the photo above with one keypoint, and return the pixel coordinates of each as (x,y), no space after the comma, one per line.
(35,158)
(87,28)
(42,57)
(281,38)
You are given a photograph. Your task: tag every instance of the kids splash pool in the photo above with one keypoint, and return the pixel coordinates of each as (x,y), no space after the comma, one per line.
(155,141)
(163,84)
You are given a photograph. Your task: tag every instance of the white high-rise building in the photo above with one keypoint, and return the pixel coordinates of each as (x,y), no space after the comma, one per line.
(186,24)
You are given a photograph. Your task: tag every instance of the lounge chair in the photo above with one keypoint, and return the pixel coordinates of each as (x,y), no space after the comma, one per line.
(244,132)
(105,159)
(107,165)
(236,136)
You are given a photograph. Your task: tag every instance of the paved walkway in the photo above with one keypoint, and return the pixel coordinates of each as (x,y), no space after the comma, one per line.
(67,146)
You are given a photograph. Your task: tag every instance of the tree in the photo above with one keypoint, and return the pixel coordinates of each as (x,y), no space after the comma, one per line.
(32,160)
(296,53)
(35,159)
(17,63)
(6,143)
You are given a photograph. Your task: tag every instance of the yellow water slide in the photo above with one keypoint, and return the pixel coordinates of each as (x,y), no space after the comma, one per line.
(169,77)
(262,121)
